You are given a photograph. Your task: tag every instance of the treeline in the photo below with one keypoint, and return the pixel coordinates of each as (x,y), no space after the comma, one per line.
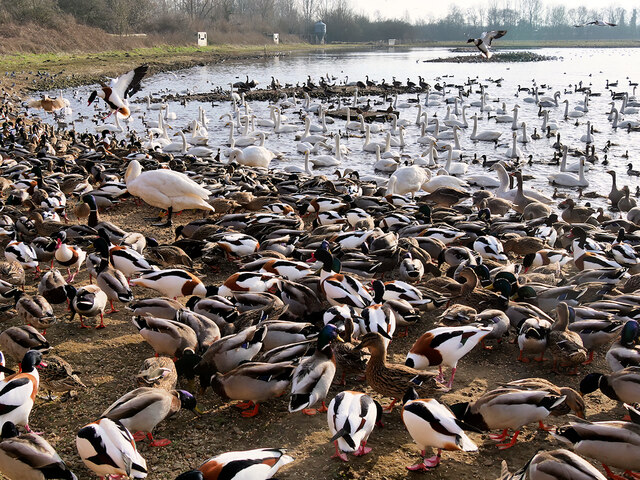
(249,21)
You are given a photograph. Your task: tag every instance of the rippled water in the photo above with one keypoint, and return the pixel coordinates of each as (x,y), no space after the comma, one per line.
(591,66)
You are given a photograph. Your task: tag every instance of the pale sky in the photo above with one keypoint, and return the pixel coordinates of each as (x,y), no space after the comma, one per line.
(424,9)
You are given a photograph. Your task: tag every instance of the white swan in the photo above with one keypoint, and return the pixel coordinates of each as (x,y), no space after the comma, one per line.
(384,164)
(242,141)
(252,156)
(307,136)
(568,179)
(454,168)
(485,135)
(166,189)
(546,123)
(574,167)
(374,127)
(283,128)
(458,123)
(407,180)
(299,169)
(524,137)
(572,113)
(623,123)
(443,180)
(549,101)
(397,105)
(510,194)
(588,137)
(349,125)
(514,151)
(369,145)
(112,128)
(328,160)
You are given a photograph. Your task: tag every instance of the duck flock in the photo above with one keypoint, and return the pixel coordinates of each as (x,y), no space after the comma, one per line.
(327,274)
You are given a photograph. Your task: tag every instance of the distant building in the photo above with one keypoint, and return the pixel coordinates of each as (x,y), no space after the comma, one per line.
(320,32)
(202,39)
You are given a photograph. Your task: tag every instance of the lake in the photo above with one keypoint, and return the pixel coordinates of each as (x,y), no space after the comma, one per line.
(592,67)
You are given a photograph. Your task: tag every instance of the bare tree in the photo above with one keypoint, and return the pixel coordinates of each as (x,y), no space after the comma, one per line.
(309,8)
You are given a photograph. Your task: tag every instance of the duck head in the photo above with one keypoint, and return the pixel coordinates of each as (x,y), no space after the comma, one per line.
(378,290)
(327,335)
(92,97)
(187,400)
(590,383)
(32,359)
(629,334)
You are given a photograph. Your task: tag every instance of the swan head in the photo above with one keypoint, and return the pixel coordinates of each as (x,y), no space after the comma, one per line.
(133,171)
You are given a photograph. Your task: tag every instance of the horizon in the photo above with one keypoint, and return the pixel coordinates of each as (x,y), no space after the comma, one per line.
(414,12)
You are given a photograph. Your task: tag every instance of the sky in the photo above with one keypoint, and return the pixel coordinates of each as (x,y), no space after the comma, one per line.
(423,9)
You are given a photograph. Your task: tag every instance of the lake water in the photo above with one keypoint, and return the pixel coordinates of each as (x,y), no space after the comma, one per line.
(590,66)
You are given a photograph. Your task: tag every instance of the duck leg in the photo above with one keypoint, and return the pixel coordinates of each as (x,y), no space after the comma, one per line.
(590,359)
(362,449)
(522,358)
(163,442)
(139,436)
(453,374)
(543,427)
(113,309)
(540,358)
(102,325)
(440,377)
(168,223)
(244,405)
(82,325)
(339,454)
(611,475)
(251,413)
(499,437)
(631,474)
(389,408)
(323,408)
(433,461)
(309,411)
(514,439)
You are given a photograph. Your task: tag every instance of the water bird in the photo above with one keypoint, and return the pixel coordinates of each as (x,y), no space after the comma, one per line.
(484,41)
(119,89)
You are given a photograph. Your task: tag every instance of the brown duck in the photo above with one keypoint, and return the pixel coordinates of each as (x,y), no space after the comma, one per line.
(392,379)
(565,346)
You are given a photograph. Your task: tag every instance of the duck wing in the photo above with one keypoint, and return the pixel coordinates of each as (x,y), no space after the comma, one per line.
(488,37)
(128,84)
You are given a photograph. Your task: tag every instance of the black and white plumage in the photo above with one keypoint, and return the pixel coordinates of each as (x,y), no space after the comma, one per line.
(115,94)
(30,457)
(258,464)
(558,464)
(432,424)
(484,41)
(352,417)
(18,391)
(107,448)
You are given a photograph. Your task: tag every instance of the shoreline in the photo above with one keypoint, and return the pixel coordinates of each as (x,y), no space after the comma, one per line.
(67,70)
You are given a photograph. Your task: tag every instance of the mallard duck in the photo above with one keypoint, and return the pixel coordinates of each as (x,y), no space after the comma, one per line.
(573,400)
(107,448)
(612,443)
(524,245)
(172,282)
(352,417)
(21,253)
(140,410)
(58,376)
(17,341)
(457,315)
(532,338)
(162,307)
(35,310)
(87,301)
(566,346)
(259,464)
(623,385)
(166,337)
(157,372)
(432,424)
(410,269)
(254,382)
(350,360)
(507,408)
(13,273)
(391,379)
(281,332)
(113,283)
(477,297)
(340,289)
(19,391)
(499,323)
(594,332)
(625,352)
(228,352)
(560,463)
(313,375)
(51,287)
(445,346)
(207,331)
(29,456)
(378,317)
(68,256)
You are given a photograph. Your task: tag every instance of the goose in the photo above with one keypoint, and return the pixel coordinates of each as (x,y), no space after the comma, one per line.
(484,41)
(569,180)
(252,156)
(485,135)
(588,137)
(166,189)
(573,113)
(115,94)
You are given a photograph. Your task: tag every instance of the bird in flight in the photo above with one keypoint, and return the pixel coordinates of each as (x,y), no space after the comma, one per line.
(598,23)
(115,94)
(484,42)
